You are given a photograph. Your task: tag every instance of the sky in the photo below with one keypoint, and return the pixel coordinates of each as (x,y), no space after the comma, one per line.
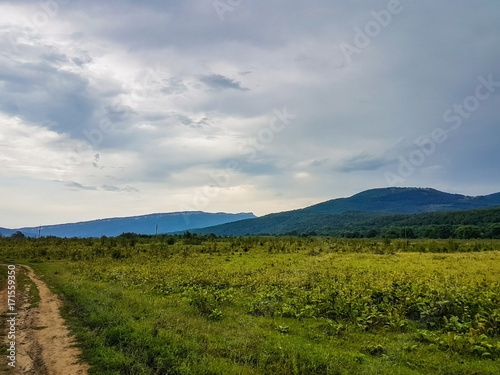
(120,108)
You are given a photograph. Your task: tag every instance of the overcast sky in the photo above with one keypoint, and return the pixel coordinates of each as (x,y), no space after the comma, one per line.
(120,108)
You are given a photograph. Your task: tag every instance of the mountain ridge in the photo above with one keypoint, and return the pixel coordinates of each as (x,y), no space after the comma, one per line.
(372,203)
(142,224)
(357,212)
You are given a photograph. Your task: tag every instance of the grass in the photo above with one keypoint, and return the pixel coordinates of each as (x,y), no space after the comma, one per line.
(28,287)
(277,306)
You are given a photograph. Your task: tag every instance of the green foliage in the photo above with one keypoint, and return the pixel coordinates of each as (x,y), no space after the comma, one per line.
(482,223)
(468,231)
(18,234)
(288,305)
(207,303)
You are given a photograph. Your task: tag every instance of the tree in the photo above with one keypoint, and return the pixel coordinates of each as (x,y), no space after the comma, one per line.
(18,234)
(468,231)
(392,232)
(493,231)
(444,231)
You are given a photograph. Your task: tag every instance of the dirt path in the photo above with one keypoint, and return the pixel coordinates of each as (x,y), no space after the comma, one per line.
(43,343)
(4,369)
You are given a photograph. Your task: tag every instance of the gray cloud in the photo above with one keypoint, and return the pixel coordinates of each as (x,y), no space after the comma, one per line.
(219,82)
(41,92)
(77,186)
(363,162)
(110,188)
(174,85)
(167,94)
(127,188)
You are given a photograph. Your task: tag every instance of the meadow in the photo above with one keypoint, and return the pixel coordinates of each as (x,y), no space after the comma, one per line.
(274,305)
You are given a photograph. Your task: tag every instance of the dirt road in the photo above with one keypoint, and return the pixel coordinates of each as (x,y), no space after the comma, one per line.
(43,343)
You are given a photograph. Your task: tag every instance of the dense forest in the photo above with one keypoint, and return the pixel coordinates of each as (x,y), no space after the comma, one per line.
(482,223)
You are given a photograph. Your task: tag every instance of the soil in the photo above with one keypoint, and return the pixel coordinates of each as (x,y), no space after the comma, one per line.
(43,343)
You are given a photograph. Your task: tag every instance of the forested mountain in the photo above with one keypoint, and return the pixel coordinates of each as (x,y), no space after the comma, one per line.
(145,224)
(404,200)
(391,212)
(387,212)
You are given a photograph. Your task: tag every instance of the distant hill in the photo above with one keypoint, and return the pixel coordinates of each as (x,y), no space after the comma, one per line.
(390,212)
(361,212)
(145,224)
(404,200)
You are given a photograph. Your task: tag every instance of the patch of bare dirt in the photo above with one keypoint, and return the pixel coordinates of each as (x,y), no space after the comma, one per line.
(44,345)
(4,368)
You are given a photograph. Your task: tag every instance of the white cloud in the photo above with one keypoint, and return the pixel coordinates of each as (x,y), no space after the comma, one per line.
(178,92)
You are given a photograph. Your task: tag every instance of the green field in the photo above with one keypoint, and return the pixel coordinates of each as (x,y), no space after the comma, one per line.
(264,305)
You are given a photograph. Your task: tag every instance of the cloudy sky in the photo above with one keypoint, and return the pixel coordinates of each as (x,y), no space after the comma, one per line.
(119,108)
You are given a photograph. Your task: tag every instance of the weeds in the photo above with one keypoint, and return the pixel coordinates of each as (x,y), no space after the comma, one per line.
(277,306)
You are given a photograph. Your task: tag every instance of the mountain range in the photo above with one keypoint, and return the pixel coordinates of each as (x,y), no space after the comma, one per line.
(144,224)
(371,212)
(373,209)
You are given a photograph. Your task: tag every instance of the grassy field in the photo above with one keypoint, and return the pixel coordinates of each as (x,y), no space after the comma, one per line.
(192,305)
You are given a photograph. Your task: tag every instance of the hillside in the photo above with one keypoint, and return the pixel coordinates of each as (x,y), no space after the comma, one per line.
(388,212)
(404,200)
(372,210)
(145,224)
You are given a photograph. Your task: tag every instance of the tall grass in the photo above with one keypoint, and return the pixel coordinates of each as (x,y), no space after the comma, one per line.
(276,305)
